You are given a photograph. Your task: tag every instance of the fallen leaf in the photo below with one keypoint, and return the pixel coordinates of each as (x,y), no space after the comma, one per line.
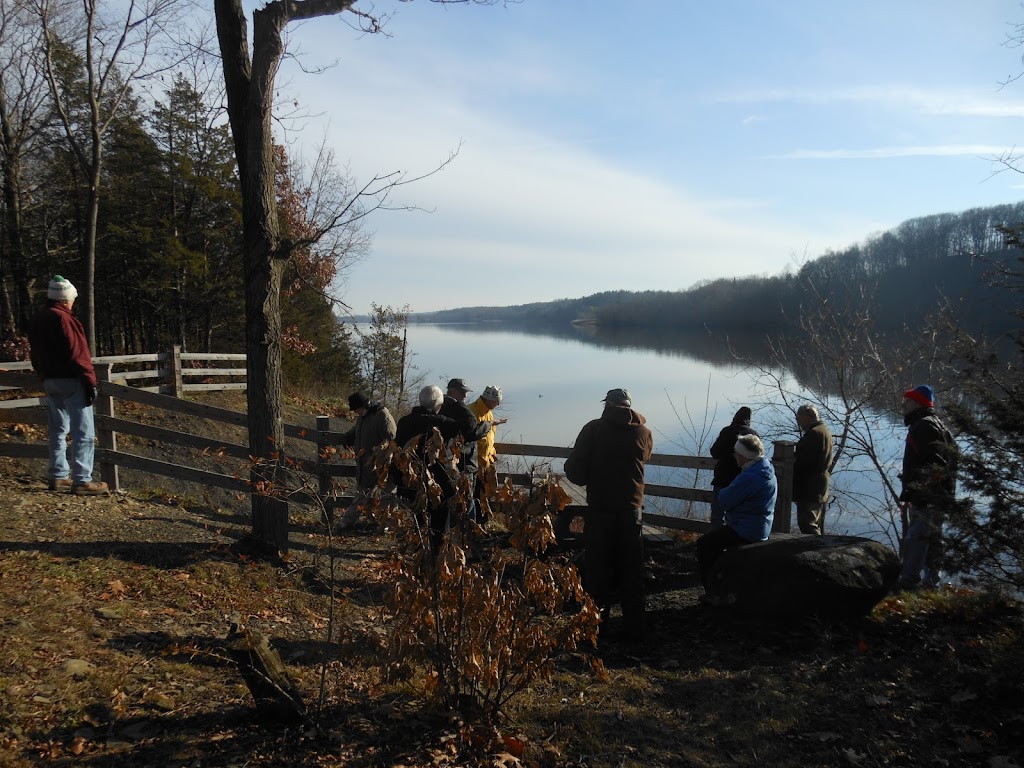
(514,744)
(504,759)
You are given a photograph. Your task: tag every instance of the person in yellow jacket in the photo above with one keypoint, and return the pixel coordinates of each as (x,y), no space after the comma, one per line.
(483,408)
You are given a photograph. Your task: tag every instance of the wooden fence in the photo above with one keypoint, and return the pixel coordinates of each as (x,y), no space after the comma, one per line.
(170,370)
(110,458)
(783,459)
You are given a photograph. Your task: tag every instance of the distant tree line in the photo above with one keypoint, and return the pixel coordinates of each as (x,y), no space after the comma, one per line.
(923,265)
(907,273)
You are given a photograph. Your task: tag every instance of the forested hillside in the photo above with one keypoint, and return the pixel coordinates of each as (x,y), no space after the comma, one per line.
(168,266)
(900,276)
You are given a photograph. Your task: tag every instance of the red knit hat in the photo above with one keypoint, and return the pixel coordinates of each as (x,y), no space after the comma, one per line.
(922,394)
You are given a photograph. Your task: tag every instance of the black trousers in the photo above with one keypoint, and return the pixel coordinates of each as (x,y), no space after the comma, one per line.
(613,562)
(711,545)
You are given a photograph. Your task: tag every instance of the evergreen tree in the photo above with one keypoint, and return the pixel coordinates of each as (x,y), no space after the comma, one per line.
(201,211)
(986,531)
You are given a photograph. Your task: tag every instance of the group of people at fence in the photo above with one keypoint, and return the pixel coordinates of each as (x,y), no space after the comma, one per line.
(607,458)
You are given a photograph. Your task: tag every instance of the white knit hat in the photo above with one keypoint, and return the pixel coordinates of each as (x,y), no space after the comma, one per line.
(61,289)
(749,447)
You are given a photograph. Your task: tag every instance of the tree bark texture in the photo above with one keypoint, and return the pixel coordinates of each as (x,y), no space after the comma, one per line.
(249,82)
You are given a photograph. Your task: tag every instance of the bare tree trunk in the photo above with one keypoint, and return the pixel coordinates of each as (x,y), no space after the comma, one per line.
(250,100)
(249,86)
(19,312)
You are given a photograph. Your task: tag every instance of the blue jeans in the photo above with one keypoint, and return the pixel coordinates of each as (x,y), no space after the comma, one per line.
(922,547)
(66,412)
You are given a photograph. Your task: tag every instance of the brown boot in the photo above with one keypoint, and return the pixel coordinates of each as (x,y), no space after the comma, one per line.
(60,483)
(92,488)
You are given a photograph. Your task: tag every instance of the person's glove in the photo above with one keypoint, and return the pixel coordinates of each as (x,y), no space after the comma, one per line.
(90,393)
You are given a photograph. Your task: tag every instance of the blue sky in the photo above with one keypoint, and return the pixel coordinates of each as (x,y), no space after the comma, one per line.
(655,144)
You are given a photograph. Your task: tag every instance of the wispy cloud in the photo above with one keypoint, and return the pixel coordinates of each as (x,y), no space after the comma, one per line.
(876,153)
(933,102)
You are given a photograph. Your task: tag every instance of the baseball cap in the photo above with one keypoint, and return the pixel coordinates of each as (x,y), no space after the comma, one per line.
(618,397)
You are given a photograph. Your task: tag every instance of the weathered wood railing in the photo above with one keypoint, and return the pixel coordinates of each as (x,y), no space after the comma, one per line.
(783,459)
(110,458)
(170,371)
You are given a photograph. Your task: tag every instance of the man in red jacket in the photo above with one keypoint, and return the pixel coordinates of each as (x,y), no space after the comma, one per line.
(608,458)
(60,355)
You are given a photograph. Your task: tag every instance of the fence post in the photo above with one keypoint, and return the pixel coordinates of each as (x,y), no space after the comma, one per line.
(784,459)
(176,381)
(323,426)
(104,406)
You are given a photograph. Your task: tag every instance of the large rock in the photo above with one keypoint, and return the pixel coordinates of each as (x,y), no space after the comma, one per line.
(793,575)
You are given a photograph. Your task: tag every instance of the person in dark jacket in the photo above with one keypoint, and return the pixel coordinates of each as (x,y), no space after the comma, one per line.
(608,458)
(471,430)
(930,460)
(374,427)
(60,356)
(726,468)
(420,422)
(812,471)
(749,504)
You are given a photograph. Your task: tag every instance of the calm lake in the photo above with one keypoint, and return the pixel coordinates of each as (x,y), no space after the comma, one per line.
(688,388)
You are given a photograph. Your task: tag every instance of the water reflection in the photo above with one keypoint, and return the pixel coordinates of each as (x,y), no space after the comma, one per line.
(687,385)
(705,346)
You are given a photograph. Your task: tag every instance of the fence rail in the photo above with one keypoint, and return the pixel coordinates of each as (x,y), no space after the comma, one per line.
(110,458)
(169,371)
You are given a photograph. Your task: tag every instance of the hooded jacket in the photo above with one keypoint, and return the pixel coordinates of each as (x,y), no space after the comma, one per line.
(726,468)
(608,458)
(376,427)
(749,500)
(930,460)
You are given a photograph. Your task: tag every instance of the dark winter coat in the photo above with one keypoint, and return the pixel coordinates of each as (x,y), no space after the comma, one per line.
(58,346)
(470,429)
(929,460)
(375,427)
(726,468)
(812,470)
(608,458)
(420,421)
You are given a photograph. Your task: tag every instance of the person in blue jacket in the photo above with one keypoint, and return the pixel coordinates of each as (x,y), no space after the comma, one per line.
(749,504)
